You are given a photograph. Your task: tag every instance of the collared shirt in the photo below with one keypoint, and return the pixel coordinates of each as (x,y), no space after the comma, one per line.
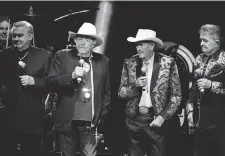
(145,98)
(215,55)
(209,61)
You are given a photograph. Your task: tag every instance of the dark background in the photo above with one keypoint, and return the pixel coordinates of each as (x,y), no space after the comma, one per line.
(177,22)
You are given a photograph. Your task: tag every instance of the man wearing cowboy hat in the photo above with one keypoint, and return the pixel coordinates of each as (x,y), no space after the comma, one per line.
(81,79)
(151,86)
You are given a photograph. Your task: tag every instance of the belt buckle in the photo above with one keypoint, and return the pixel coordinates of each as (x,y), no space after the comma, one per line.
(143,110)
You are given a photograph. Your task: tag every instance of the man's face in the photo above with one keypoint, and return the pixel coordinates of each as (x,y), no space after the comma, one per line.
(21,38)
(144,49)
(208,43)
(84,44)
(4,27)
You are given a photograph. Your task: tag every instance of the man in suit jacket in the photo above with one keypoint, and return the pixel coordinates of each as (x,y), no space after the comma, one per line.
(205,107)
(81,79)
(24,71)
(151,86)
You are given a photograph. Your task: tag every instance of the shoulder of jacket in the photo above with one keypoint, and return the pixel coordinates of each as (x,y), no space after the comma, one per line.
(132,59)
(6,51)
(199,56)
(97,56)
(166,57)
(43,51)
(63,52)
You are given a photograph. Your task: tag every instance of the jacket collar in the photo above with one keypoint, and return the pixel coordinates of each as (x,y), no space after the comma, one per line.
(155,71)
(215,55)
(94,56)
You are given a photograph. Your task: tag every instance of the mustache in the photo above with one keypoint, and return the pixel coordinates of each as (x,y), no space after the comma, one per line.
(3,36)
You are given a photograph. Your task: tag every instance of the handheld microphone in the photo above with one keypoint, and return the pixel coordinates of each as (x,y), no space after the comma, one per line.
(198,74)
(143,73)
(81,61)
(22,65)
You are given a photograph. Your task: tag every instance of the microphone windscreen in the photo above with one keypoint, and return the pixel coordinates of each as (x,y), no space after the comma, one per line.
(81,61)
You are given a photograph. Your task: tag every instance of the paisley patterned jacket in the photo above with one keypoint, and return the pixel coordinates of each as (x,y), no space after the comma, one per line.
(165,85)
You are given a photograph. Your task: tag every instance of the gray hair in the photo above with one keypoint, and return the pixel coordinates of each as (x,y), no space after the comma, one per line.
(23,24)
(213,30)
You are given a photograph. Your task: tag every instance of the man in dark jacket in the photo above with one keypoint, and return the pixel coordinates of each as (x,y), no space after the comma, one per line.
(205,108)
(24,71)
(81,79)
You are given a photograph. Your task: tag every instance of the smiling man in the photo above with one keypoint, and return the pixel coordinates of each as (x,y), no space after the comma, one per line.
(205,108)
(81,79)
(150,85)
(24,71)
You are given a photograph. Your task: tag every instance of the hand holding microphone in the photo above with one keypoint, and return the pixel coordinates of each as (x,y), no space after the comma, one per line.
(142,80)
(203,84)
(79,71)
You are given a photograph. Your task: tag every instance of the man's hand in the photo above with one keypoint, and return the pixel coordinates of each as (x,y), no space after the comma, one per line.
(204,83)
(141,81)
(78,72)
(157,122)
(27,80)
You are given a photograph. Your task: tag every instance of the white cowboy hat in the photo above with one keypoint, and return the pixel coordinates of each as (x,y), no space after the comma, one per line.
(88,29)
(146,35)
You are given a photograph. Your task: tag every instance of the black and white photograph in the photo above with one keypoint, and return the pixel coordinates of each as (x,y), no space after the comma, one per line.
(112,78)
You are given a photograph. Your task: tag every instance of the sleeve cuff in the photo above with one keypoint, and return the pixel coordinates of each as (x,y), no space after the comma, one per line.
(67,78)
(215,87)
(39,82)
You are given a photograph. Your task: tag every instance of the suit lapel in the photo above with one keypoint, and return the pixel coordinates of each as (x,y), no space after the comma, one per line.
(96,65)
(72,62)
(155,71)
(138,67)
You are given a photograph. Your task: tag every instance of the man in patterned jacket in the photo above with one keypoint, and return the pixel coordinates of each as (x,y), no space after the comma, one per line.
(205,108)
(151,86)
